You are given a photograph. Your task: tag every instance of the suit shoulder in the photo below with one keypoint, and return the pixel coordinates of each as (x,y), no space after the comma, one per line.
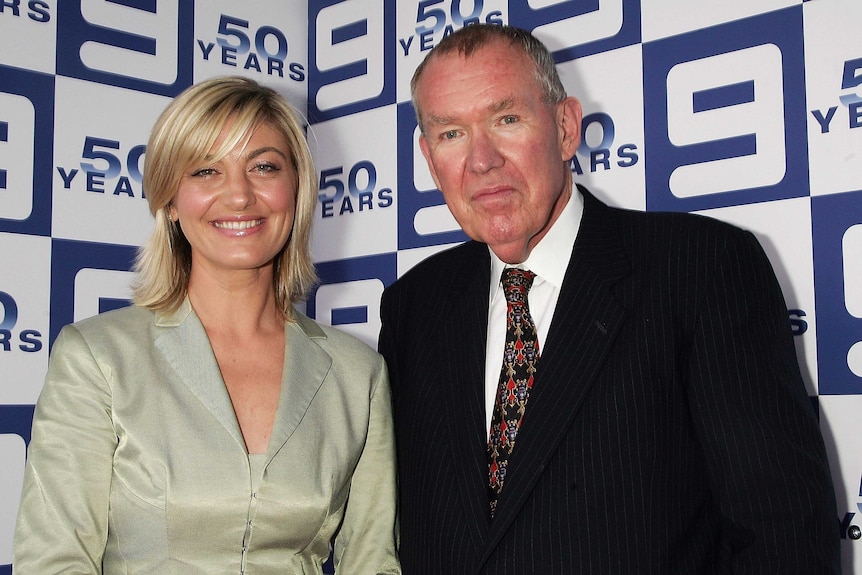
(449,263)
(685,221)
(127,319)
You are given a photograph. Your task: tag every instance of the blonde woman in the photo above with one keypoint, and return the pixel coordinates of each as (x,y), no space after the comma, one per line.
(211,427)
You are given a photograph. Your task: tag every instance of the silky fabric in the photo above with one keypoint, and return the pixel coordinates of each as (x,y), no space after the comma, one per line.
(668,431)
(137,463)
(520,356)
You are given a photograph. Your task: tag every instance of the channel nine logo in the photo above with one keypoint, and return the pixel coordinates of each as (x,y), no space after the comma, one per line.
(349,293)
(351,68)
(724,114)
(142,46)
(836,221)
(26,151)
(88,279)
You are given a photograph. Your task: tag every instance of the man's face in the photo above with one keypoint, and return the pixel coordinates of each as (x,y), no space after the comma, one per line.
(496,150)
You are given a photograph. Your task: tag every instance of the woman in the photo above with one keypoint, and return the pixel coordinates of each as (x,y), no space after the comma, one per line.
(212,428)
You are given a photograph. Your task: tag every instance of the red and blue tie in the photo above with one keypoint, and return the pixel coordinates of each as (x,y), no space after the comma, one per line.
(520,357)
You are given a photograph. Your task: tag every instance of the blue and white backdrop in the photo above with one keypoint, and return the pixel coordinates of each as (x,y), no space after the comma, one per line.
(747,111)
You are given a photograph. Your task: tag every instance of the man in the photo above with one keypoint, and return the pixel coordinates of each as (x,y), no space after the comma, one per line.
(653,415)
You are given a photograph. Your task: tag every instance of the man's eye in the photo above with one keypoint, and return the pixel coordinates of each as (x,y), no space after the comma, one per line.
(450,134)
(510,119)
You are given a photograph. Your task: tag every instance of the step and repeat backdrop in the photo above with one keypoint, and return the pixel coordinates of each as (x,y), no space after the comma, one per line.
(750,112)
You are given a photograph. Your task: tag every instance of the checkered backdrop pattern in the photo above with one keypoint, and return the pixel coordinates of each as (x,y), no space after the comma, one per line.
(747,111)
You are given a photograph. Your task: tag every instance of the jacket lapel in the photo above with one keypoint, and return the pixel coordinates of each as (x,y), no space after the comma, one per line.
(305,367)
(464,379)
(586,321)
(187,349)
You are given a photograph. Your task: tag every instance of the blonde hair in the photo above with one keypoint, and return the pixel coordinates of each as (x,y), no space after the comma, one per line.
(185,133)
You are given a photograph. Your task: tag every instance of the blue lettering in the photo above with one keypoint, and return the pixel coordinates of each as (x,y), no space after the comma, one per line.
(297,72)
(576,166)
(346,206)
(495,17)
(228,56)
(206,49)
(426,41)
(5,337)
(30,341)
(628,155)
(252,62)
(600,158)
(124,186)
(275,66)
(326,207)
(855,114)
(406,45)
(798,326)
(95,179)
(365,200)
(384,198)
(39,11)
(14,5)
(824,121)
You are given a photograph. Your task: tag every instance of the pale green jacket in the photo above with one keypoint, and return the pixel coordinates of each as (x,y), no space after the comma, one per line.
(137,463)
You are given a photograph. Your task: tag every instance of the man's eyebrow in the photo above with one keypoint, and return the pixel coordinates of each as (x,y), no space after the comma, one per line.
(494,107)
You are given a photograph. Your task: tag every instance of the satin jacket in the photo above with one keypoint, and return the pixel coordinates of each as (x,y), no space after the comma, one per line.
(137,463)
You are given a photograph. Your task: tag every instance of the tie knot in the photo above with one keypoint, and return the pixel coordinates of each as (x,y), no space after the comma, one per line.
(516,282)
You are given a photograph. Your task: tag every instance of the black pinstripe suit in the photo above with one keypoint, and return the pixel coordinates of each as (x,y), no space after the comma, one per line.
(668,430)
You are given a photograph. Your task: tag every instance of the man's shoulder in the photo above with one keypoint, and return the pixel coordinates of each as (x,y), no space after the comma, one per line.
(451,262)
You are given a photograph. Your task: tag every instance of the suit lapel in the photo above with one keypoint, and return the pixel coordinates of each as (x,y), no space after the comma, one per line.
(586,320)
(187,349)
(464,371)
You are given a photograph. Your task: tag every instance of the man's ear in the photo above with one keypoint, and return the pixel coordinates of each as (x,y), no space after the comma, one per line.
(569,116)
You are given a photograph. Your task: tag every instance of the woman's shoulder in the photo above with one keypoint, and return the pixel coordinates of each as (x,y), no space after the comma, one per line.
(124,322)
(333,338)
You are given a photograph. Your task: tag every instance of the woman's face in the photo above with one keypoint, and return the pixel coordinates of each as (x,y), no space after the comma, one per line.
(237,213)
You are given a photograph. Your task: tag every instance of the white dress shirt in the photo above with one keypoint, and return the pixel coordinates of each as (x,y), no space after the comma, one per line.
(550,268)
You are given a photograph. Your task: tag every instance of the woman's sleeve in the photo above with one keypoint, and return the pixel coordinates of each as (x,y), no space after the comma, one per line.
(63,518)
(367,540)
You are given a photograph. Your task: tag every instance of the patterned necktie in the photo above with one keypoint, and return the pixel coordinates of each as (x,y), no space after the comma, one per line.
(516,378)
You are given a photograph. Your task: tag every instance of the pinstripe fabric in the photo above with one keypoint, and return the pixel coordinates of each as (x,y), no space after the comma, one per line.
(669,430)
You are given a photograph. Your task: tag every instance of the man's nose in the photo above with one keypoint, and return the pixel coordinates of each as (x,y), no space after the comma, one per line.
(483,155)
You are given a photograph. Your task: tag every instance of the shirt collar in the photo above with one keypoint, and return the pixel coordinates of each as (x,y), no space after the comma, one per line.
(544,260)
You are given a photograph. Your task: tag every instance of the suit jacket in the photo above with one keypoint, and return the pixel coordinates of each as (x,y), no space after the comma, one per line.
(668,429)
(137,463)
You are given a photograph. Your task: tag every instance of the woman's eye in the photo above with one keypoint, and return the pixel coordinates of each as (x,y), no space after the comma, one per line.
(203,172)
(265,168)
